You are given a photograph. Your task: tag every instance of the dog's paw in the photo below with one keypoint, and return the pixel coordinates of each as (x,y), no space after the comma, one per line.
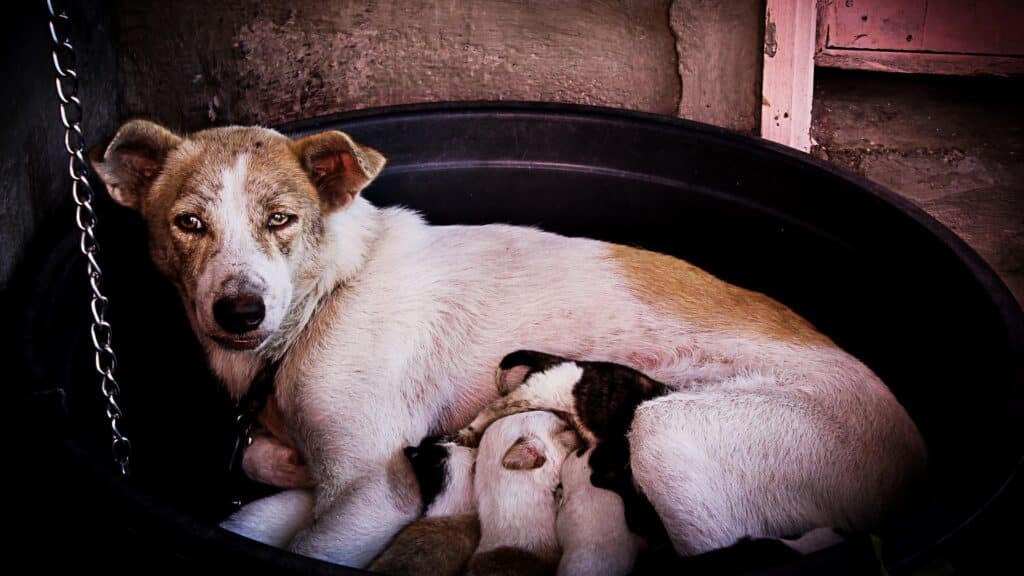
(516,368)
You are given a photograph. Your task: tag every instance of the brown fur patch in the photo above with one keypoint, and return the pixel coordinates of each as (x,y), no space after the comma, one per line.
(708,303)
(436,546)
(511,562)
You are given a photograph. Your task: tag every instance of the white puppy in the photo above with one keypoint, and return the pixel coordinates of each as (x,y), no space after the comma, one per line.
(592,530)
(518,466)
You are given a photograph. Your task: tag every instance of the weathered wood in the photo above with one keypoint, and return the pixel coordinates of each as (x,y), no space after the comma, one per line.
(788,79)
(878,24)
(991,27)
(195,63)
(719,49)
(921,63)
(960,37)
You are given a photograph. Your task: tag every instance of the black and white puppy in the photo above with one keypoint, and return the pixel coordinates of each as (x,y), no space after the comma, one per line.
(601,400)
(443,540)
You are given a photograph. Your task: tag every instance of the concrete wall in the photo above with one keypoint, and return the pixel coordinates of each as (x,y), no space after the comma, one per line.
(195,63)
(720,58)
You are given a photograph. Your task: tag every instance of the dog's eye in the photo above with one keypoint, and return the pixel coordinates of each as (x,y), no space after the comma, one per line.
(189,223)
(278,219)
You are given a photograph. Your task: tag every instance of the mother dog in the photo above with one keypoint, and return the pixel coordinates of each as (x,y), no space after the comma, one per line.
(390,329)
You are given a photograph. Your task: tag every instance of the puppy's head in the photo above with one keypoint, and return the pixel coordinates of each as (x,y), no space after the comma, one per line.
(235,215)
(444,471)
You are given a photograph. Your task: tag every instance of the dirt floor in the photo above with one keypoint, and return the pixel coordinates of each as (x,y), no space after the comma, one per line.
(954,146)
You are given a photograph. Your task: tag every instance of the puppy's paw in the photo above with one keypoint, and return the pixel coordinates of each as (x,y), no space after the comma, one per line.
(468,437)
(516,368)
(268,461)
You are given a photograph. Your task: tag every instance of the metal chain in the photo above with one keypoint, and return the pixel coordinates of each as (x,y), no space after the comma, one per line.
(63,55)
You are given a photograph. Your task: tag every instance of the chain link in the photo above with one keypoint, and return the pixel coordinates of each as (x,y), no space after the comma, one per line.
(63,55)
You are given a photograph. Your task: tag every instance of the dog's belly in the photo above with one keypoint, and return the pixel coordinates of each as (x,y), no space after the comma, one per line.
(411,346)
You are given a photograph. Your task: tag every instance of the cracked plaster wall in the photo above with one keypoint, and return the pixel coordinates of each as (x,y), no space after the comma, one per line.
(193,64)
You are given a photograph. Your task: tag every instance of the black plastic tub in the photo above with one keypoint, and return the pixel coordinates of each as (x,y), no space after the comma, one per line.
(875,273)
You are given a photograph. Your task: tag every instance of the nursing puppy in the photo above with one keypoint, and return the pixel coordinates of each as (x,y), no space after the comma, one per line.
(600,399)
(517,473)
(591,525)
(595,530)
(443,540)
(388,330)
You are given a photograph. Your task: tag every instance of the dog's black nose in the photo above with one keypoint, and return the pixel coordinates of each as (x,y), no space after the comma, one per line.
(239,314)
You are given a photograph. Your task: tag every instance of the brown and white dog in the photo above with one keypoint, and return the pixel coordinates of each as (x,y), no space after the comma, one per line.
(393,328)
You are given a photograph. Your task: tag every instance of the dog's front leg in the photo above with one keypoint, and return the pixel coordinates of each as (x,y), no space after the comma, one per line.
(356,517)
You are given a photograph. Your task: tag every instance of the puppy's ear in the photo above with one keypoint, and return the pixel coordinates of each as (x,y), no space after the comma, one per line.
(133,159)
(338,166)
(568,438)
(515,368)
(526,454)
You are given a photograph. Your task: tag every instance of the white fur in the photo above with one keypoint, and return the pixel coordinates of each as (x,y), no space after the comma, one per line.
(813,541)
(273,520)
(517,507)
(413,319)
(811,460)
(592,530)
(550,389)
(456,496)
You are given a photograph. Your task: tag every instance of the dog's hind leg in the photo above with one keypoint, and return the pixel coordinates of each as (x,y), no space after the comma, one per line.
(768,460)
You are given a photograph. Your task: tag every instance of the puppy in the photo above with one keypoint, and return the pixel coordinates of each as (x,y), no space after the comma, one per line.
(591,525)
(387,329)
(442,541)
(599,398)
(602,400)
(518,466)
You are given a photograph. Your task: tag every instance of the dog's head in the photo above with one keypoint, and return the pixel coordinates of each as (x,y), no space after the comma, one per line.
(235,215)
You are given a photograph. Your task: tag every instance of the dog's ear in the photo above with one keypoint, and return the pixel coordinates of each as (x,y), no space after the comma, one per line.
(338,166)
(133,159)
(526,454)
